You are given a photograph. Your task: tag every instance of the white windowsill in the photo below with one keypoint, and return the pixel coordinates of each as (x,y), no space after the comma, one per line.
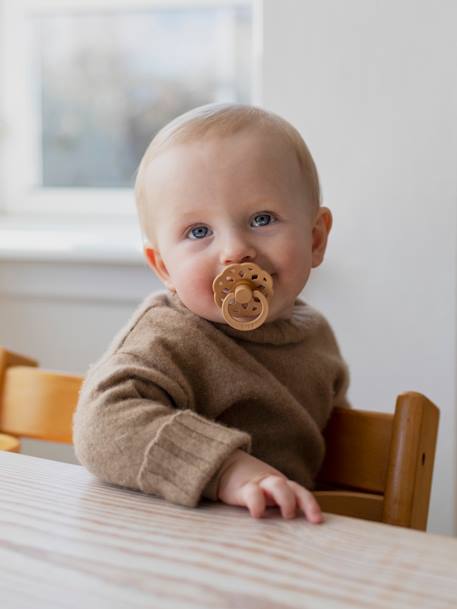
(70,241)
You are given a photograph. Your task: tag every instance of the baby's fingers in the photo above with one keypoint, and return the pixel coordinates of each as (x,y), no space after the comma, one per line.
(254,499)
(283,495)
(307,503)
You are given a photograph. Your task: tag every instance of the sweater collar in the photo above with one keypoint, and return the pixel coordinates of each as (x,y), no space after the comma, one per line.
(280,331)
(303,320)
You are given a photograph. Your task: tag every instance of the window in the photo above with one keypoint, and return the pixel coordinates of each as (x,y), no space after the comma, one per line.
(87,84)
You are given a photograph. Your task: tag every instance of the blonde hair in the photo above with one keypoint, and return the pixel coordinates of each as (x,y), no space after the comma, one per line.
(223,120)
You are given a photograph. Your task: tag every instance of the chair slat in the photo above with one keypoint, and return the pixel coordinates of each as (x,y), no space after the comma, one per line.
(39,404)
(357,454)
(9,443)
(8,359)
(346,503)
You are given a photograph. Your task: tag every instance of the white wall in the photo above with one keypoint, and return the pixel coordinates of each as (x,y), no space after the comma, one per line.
(372,86)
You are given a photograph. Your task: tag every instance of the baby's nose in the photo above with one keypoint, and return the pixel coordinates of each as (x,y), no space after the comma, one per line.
(236,251)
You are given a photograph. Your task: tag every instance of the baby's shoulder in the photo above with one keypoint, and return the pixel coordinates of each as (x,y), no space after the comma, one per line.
(158,320)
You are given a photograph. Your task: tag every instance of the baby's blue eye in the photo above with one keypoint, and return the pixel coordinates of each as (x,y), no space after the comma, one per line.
(262,220)
(198,232)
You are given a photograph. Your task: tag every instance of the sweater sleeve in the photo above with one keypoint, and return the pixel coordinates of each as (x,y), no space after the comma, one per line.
(134,427)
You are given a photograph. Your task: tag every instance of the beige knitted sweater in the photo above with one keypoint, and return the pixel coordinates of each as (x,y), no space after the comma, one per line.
(175,395)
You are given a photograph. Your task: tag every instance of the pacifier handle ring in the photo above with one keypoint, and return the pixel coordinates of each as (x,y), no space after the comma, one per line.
(245,325)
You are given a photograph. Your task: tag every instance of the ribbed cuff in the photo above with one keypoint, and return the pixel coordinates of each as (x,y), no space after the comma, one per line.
(184,457)
(210,490)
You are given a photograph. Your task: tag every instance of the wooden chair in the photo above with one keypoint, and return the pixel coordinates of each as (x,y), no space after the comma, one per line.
(34,403)
(379,466)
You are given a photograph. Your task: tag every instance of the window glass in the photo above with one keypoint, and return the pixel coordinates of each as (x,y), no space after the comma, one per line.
(107,81)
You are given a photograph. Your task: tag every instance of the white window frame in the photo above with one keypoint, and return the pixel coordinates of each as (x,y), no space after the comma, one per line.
(18,197)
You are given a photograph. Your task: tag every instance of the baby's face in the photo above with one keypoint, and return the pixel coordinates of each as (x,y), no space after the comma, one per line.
(229,200)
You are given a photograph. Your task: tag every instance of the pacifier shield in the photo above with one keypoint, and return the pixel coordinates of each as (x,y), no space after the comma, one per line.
(242,291)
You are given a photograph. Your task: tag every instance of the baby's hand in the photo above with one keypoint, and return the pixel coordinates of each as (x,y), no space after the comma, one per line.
(247,481)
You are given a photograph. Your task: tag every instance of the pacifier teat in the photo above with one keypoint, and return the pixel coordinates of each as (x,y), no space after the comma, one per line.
(242,291)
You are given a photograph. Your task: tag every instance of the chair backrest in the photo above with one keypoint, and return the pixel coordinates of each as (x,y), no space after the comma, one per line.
(379,466)
(36,403)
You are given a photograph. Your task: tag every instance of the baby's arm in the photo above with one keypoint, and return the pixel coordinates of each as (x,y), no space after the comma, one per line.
(246,481)
(133,428)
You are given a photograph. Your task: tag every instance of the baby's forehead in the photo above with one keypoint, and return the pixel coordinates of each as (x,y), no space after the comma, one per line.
(215,151)
(244,159)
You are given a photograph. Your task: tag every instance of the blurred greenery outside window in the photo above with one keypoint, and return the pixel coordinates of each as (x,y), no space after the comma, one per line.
(105,79)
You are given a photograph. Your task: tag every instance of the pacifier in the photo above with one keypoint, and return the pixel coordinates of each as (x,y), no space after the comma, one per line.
(242,291)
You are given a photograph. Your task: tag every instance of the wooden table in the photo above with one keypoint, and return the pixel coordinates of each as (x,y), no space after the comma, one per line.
(69,541)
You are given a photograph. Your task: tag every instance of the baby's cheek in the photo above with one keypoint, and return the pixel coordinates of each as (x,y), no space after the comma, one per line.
(195,289)
(202,291)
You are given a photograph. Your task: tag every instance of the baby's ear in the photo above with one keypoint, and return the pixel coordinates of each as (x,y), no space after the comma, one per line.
(321,229)
(157,264)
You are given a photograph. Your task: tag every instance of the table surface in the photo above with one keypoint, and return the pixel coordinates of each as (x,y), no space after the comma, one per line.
(70,541)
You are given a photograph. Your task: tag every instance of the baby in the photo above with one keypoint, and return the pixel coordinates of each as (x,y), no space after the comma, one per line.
(183,405)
